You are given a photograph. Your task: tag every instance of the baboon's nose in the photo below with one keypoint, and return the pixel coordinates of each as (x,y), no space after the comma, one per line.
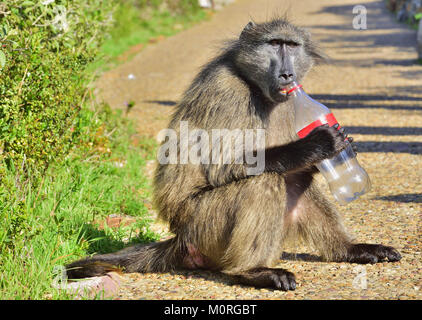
(286,75)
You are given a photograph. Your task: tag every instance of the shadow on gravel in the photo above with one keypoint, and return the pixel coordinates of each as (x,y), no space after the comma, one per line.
(214,276)
(227,280)
(300,257)
(162,102)
(409,90)
(369,97)
(405,198)
(366,63)
(378,18)
(385,131)
(355,101)
(395,147)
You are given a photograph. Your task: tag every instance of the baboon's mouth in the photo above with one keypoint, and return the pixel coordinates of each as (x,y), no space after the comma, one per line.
(283,92)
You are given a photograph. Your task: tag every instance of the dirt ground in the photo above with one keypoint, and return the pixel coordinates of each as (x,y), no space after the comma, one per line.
(375,90)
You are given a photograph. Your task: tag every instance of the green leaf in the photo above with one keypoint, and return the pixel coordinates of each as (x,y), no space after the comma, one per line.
(418,16)
(3,31)
(2,59)
(27,3)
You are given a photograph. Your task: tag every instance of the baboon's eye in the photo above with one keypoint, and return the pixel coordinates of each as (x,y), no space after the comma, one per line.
(276,43)
(291,44)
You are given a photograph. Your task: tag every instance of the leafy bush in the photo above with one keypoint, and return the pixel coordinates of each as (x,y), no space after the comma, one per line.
(46,46)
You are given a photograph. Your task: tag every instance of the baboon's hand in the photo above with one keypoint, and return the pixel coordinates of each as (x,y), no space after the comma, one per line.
(326,142)
(346,136)
(371,253)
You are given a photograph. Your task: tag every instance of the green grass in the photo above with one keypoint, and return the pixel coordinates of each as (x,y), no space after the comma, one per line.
(137,25)
(59,215)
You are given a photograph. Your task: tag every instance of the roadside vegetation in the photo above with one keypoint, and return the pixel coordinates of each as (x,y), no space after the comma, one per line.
(405,12)
(139,22)
(66,162)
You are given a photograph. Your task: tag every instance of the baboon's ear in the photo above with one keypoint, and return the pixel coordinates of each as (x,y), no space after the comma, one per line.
(319,56)
(314,50)
(250,25)
(247,28)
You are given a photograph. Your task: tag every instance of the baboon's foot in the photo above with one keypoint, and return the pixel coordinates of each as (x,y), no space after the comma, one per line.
(279,279)
(194,259)
(371,253)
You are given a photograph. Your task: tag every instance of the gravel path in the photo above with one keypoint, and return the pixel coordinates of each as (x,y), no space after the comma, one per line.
(375,90)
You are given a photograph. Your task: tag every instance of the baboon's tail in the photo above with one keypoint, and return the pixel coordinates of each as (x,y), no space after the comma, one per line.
(153,257)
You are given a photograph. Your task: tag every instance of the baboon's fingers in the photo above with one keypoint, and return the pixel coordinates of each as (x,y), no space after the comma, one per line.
(342,131)
(353,144)
(268,278)
(372,253)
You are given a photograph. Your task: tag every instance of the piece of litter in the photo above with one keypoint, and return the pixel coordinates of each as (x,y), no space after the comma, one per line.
(131,76)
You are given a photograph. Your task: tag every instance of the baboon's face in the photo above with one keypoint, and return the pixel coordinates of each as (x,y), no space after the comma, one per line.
(272,55)
(283,61)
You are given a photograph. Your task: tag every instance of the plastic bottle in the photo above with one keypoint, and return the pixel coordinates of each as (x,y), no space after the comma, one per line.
(346,178)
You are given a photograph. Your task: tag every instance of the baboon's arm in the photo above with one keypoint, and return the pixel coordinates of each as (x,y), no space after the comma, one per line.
(322,143)
(292,157)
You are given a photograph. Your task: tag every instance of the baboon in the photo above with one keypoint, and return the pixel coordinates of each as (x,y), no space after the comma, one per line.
(224,219)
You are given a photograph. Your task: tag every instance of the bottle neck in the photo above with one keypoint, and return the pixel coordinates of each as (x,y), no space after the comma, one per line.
(294,89)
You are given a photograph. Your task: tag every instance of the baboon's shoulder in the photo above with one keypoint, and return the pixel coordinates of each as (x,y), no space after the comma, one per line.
(215,91)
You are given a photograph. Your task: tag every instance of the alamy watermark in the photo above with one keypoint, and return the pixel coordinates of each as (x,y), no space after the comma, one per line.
(219,147)
(359,21)
(360,281)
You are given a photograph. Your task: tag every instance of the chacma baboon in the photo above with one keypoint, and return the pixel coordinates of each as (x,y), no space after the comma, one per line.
(224,219)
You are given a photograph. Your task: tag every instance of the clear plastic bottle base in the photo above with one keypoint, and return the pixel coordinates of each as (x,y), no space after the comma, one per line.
(346,200)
